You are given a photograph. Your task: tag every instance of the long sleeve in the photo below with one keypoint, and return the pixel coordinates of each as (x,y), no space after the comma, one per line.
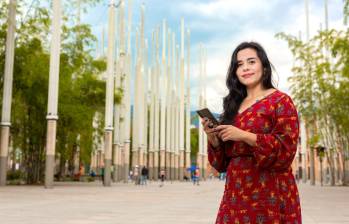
(277,149)
(217,157)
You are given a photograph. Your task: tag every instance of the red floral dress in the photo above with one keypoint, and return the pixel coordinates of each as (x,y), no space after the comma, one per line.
(260,187)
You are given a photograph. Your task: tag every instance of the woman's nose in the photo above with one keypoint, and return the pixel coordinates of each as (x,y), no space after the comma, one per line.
(245,67)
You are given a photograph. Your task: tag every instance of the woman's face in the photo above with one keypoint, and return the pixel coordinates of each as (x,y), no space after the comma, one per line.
(250,69)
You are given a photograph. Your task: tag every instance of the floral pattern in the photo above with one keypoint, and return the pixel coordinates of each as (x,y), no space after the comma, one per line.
(260,187)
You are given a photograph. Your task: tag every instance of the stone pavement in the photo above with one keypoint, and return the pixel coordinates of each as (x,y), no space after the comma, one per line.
(176,203)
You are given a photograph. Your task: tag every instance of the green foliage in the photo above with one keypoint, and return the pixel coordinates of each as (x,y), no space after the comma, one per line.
(194,142)
(320,83)
(313,141)
(14,175)
(81,89)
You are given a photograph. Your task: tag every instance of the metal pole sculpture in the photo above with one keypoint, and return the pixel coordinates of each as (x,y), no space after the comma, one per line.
(7,92)
(121,75)
(52,116)
(108,130)
(201,105)
(187,140)
(135,122)
(204,150)
(127,98)
(181,107)
(152,108)
(117,114)
(163,100)
(157,109)
(177,108)
(174,112)
(312,162)
(145,103)
(169,106)
(141,92)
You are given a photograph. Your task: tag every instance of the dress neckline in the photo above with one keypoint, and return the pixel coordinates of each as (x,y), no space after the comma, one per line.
(252,105)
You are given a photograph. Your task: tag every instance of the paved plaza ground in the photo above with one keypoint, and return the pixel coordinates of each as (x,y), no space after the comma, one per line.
(176,203)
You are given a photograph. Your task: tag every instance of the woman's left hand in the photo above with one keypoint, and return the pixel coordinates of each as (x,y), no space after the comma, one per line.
(229,133)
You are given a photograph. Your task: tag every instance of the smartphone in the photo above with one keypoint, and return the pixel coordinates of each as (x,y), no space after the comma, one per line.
(206,113)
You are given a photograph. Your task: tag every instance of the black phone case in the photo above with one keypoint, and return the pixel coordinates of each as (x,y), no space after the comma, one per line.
(207,113)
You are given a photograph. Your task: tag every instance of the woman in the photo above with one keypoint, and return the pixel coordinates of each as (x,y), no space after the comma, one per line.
(255,144)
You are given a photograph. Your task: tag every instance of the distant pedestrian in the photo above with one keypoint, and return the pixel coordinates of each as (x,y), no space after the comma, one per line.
(162,177)
(130,176)
(136,175)
(102,174)
(144,175)
(196,177)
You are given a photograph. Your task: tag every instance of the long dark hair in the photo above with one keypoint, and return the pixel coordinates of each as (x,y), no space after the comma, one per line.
(237,91)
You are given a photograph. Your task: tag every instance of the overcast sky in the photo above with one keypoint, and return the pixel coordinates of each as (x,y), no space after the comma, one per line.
(222,24)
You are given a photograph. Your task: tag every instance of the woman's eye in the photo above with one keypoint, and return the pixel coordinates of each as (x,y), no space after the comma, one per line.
(252,62)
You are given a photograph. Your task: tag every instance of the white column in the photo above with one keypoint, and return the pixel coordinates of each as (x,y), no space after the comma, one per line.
(177,108)
(169,106)
(204,152)
(163,100)
(127,99)
(7,92)
(109,96)
(116,137)
(52,116)
(142,90)
(201,105)
(135,117)
(187,147)
(157,110)
(181,106)
(303,150)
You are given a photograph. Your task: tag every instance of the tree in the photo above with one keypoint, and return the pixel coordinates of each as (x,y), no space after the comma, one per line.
(81,90)
(320,89)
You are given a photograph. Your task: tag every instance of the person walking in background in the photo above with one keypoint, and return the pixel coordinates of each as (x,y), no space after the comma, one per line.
(196,177)
(255,144)
(144,175)
(162,177)
(136,178)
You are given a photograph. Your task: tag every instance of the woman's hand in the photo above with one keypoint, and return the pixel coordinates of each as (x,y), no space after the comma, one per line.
(229,133)
(232,133)
(211,133)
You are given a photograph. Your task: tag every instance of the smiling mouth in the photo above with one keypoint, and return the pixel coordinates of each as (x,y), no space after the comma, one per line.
(247,75)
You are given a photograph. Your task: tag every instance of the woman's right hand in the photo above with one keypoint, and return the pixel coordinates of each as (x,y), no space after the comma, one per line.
(211,133)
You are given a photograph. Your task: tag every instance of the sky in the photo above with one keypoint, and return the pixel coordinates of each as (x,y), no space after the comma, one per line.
(221,25)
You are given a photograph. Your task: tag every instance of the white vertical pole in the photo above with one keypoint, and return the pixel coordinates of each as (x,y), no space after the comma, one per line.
(174,111)
(307,19)
(200,152)
(135,123)
(157,110)
(152,110)
(7,92)
(163,99)
(326,15)
(181,106)
(52,116)
(169,112)
(188,162)
(109,96)
(127,101)
(204,152)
